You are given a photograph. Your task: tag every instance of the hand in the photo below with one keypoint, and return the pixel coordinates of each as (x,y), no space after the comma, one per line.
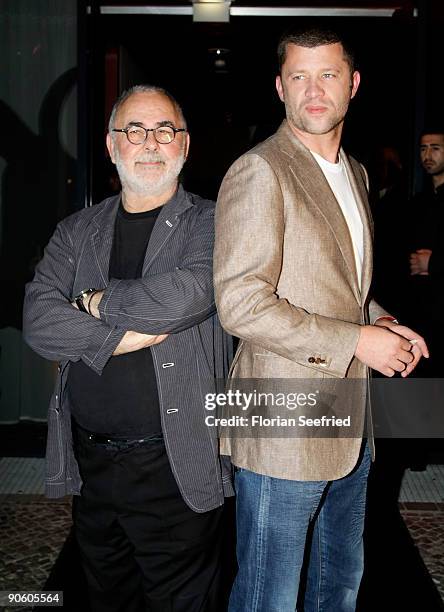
(388,348)
(93,303)
(419,262)
(417,343)
(134,341)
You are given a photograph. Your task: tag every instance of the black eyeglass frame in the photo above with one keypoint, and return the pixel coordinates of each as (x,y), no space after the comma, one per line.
(147,130)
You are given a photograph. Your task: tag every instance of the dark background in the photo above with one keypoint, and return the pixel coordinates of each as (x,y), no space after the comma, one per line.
(230,108)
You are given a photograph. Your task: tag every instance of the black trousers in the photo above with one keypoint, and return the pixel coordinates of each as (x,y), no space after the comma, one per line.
(142,547)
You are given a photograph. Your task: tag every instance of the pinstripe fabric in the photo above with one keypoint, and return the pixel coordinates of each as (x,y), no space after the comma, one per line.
(174,295)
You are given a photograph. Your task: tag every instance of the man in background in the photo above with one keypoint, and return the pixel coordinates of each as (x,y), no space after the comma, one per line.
(427,239)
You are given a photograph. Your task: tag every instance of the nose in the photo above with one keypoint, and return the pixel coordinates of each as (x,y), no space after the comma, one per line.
(314,88)
(426,154)
(151,143)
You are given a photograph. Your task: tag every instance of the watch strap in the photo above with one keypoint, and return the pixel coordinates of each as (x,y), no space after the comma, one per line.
(80,297)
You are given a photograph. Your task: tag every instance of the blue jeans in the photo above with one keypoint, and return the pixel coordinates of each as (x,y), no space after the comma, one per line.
(273,518)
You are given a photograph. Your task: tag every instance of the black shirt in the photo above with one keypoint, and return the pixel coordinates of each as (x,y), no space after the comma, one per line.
(123,401)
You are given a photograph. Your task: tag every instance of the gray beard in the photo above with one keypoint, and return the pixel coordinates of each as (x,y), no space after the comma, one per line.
(145,187)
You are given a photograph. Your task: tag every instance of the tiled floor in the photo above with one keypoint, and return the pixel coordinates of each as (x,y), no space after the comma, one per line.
(423,487)
(426,526)
(33,529)
(23,475)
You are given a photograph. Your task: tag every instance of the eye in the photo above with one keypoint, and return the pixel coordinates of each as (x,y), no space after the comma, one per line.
(298,77)
(164,134)
(136,131)
(328,75)
(164,130)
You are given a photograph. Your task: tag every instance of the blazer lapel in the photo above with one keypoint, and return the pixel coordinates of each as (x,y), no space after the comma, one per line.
(360,192)
(311,179)
(165,226)
(102,238)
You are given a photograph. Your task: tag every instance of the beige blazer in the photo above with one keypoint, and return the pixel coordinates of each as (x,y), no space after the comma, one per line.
(286,285)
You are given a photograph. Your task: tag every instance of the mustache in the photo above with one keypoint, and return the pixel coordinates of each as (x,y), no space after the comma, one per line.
(150,157)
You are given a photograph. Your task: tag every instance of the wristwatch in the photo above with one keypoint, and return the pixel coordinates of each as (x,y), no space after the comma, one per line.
(79,299)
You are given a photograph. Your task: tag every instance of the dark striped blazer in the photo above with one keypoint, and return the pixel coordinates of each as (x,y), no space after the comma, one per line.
(174,296)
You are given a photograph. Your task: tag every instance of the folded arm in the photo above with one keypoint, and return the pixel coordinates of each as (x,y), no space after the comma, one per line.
(167,302)
(52,326)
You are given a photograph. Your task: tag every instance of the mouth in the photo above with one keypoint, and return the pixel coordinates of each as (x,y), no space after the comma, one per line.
(150,163)
(316,110)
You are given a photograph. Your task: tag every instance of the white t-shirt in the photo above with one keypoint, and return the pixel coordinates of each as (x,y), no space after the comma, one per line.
(337,177)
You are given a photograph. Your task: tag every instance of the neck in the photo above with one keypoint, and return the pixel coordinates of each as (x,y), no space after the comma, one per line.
(135,203)
(438,180)
(326,145)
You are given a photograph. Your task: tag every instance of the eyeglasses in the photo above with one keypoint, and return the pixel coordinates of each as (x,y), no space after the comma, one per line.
(137,134)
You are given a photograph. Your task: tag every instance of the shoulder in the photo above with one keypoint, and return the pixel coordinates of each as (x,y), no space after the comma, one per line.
(198,202)
(266,151)
(82,219)
(277,152)
(199,206)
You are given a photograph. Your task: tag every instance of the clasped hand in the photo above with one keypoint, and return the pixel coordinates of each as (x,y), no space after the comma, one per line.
(388,348)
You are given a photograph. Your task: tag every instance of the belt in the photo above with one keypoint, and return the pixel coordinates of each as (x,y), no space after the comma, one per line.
(122,443)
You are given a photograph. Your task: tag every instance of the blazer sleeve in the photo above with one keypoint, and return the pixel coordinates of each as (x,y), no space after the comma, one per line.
(376,311)
(247,263)
(51,325)
(172,301)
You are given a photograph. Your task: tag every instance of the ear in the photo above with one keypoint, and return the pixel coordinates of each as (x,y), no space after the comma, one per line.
(110,147)
(280,88)
(356,79)
(187,144)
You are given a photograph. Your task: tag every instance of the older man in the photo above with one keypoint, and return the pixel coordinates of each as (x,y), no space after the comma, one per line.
(123,299)
(292,276)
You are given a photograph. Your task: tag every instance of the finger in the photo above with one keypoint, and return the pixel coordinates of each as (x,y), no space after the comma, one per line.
(413,337)
(388,372)
(420,345)
(398,366)
(161,338)
(412,365)
(404,357)
(404,346)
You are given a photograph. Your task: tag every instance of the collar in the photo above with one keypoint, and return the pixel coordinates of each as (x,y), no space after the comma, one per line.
(177,205)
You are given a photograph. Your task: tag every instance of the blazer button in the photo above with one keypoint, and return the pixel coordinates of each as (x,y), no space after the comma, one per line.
(311,360)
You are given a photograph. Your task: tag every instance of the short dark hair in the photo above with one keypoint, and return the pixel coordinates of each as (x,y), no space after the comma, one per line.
(135,89)
(432,129)
(313,37)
